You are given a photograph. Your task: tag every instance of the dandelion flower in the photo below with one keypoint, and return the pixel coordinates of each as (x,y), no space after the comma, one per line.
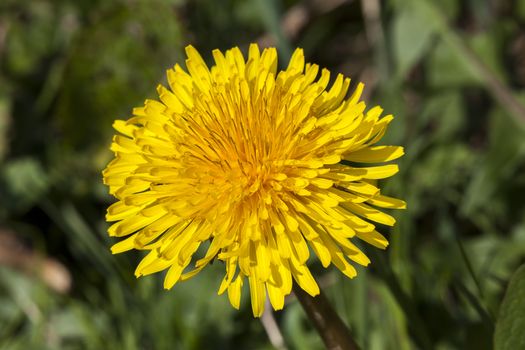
(254,167)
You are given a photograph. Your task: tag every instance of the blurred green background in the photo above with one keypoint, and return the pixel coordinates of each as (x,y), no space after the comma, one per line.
(451,71)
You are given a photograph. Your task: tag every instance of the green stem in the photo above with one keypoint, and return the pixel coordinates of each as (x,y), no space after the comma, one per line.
(333,331)
(470,268)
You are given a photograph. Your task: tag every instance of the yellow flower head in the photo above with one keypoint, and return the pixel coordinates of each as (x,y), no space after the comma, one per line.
(243,164)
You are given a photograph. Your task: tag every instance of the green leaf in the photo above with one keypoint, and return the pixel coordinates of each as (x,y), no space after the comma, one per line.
(511,320)
(447,66)
(25,182)
(445,113)
(411,37)
(270,13)
(499,165)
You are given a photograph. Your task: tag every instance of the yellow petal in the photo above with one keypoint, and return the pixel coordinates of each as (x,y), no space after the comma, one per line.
(380,172)
(119,211)
(304,278)
(124,245)
(321,251)
(234,292)
(276,296)
(375,154)
(173,275)
(370,213)
(257,294)
(374,238)
(387,202)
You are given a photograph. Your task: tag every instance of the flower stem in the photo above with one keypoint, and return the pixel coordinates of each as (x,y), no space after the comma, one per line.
(333,331)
